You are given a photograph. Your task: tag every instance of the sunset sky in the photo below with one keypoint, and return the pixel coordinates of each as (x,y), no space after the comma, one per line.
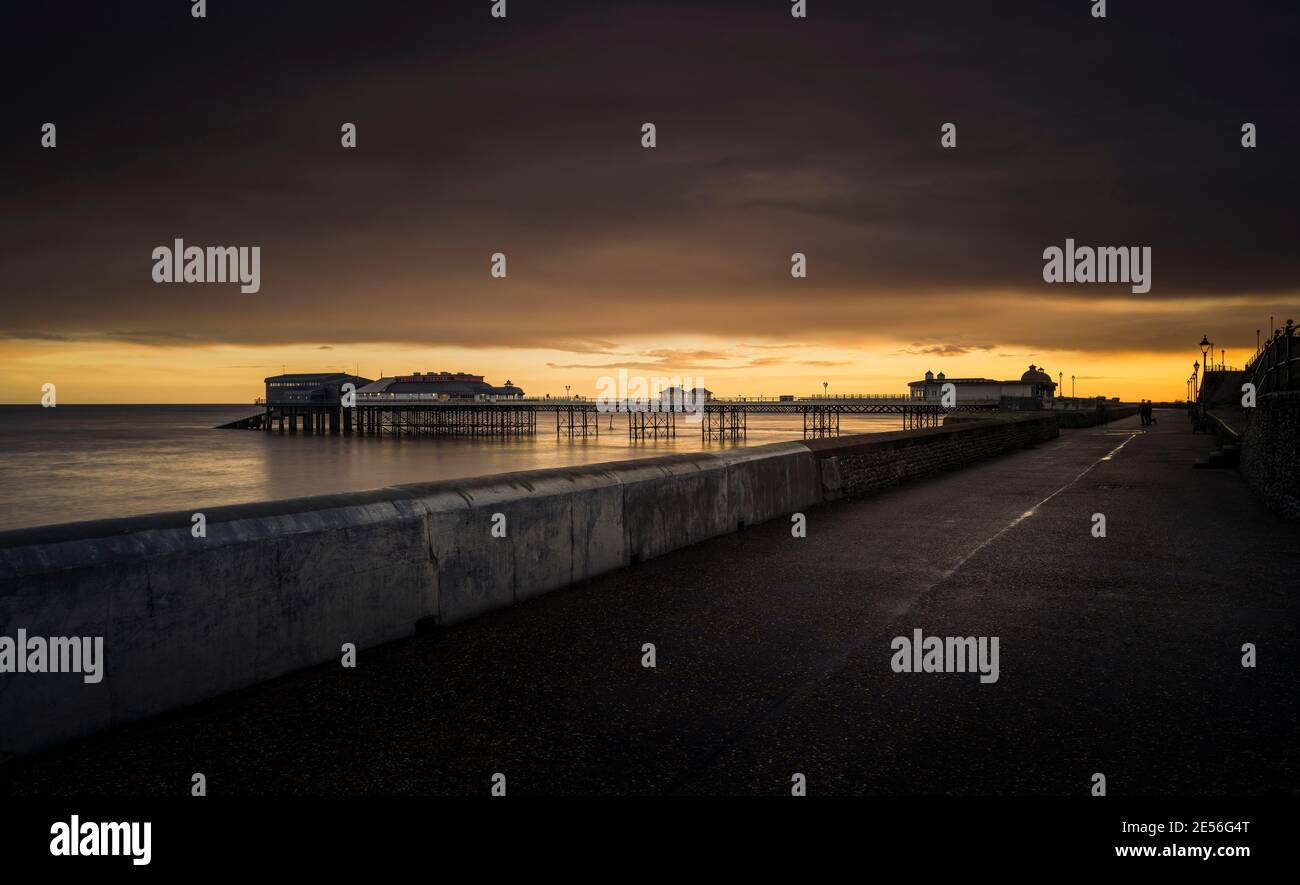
(523,136)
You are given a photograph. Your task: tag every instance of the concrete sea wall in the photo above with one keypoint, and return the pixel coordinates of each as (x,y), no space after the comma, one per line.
(865,464)
(278,586)
(1093,417)
(1066,419)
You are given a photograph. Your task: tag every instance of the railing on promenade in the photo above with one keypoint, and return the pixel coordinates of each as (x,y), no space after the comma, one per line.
(1274,367)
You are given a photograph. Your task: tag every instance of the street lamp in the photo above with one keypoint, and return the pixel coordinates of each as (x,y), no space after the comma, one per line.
(1206,347)
(1072,390)
(566,391)
(825,384)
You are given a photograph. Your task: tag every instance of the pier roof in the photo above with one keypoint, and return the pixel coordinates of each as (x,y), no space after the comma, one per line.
(315,376)
(448,388)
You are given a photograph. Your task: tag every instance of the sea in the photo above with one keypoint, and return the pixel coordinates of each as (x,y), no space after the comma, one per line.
(78,462)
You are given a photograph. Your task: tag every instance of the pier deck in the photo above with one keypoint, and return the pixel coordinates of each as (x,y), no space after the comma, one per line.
(1118,655)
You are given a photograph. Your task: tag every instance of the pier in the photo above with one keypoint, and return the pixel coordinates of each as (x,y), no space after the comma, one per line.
(459,404)
(718,419)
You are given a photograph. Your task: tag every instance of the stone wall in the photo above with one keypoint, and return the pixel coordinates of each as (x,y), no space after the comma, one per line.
(1270,451)
(852,467)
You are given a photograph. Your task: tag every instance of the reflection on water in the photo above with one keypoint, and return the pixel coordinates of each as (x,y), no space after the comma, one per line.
(89,462)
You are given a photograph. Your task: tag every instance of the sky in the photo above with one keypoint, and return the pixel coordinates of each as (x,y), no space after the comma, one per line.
(523,136)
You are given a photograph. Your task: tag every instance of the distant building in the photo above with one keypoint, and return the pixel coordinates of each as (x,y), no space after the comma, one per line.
(682,395)
(507,391)
(437,386)
(1034,389)
(321,388)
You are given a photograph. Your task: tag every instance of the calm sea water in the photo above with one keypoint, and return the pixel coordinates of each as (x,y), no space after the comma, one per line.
(72,463)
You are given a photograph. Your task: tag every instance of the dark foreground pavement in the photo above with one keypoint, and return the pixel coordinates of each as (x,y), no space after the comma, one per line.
(1119,655)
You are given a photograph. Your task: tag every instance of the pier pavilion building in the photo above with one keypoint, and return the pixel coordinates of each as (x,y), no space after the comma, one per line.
(1034,390)
(437,386)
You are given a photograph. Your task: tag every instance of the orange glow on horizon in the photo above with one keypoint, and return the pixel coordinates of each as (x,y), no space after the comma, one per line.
(110,372)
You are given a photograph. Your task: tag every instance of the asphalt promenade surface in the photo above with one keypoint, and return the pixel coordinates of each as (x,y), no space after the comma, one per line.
(1120,655)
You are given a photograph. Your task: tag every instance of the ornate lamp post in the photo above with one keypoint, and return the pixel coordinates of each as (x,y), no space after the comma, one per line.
(1206,347)
(1196,410)
(825,385)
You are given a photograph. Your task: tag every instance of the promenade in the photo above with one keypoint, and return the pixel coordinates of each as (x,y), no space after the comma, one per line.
(1119,655)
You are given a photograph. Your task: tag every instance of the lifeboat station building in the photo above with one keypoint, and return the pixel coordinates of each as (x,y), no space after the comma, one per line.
(320,388)
(314,401)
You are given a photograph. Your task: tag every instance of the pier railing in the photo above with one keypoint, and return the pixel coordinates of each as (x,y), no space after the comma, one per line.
(839,397)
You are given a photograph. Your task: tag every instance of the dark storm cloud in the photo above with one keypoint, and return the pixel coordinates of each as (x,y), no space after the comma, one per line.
(775,135)
(945,349)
